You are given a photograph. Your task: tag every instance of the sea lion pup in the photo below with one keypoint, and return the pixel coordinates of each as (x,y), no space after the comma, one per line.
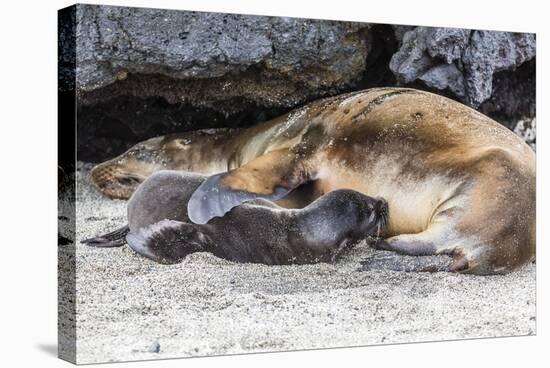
(258,231)
(457,182)
(163,196)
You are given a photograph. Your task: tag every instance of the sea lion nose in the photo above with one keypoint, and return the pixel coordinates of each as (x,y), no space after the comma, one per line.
(382,207)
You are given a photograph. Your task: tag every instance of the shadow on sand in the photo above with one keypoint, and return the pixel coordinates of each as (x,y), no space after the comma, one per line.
(50,349)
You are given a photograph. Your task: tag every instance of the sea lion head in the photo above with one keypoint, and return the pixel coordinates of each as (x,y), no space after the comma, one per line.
(366,215)
(195,151)
(373,215)
(353,213)
(119,177)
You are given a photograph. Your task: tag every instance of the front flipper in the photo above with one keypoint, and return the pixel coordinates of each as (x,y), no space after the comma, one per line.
(271,176)
(417,252)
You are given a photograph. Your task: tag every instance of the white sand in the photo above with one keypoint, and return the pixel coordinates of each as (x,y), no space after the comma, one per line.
(130,307)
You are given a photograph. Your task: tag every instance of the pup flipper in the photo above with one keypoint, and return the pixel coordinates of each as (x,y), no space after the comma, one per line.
(115,238)
(271,176)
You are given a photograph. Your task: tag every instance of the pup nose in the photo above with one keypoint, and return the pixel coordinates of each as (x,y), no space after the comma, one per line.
(382,206)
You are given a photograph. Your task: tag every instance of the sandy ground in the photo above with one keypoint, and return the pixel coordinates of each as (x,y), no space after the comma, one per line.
(130,308)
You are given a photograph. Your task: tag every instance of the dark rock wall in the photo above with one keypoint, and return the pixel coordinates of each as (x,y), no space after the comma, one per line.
(208,58)
(146,72)
(513,96)
(473,66)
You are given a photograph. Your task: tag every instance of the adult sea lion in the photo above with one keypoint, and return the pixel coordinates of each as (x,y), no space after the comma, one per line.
(257,231)
(457,182)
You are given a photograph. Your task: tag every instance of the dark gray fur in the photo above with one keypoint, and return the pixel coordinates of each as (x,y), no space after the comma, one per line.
(259,231)
(163,196)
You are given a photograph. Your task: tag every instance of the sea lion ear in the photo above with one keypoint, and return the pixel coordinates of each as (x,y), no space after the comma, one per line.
(271,176)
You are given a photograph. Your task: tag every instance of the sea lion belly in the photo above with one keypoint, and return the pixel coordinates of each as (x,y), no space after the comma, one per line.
(412,201)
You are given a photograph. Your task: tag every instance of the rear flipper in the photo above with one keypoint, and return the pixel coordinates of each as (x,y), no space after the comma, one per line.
(397,262)
(113,239)
(167,241)
(270,176)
